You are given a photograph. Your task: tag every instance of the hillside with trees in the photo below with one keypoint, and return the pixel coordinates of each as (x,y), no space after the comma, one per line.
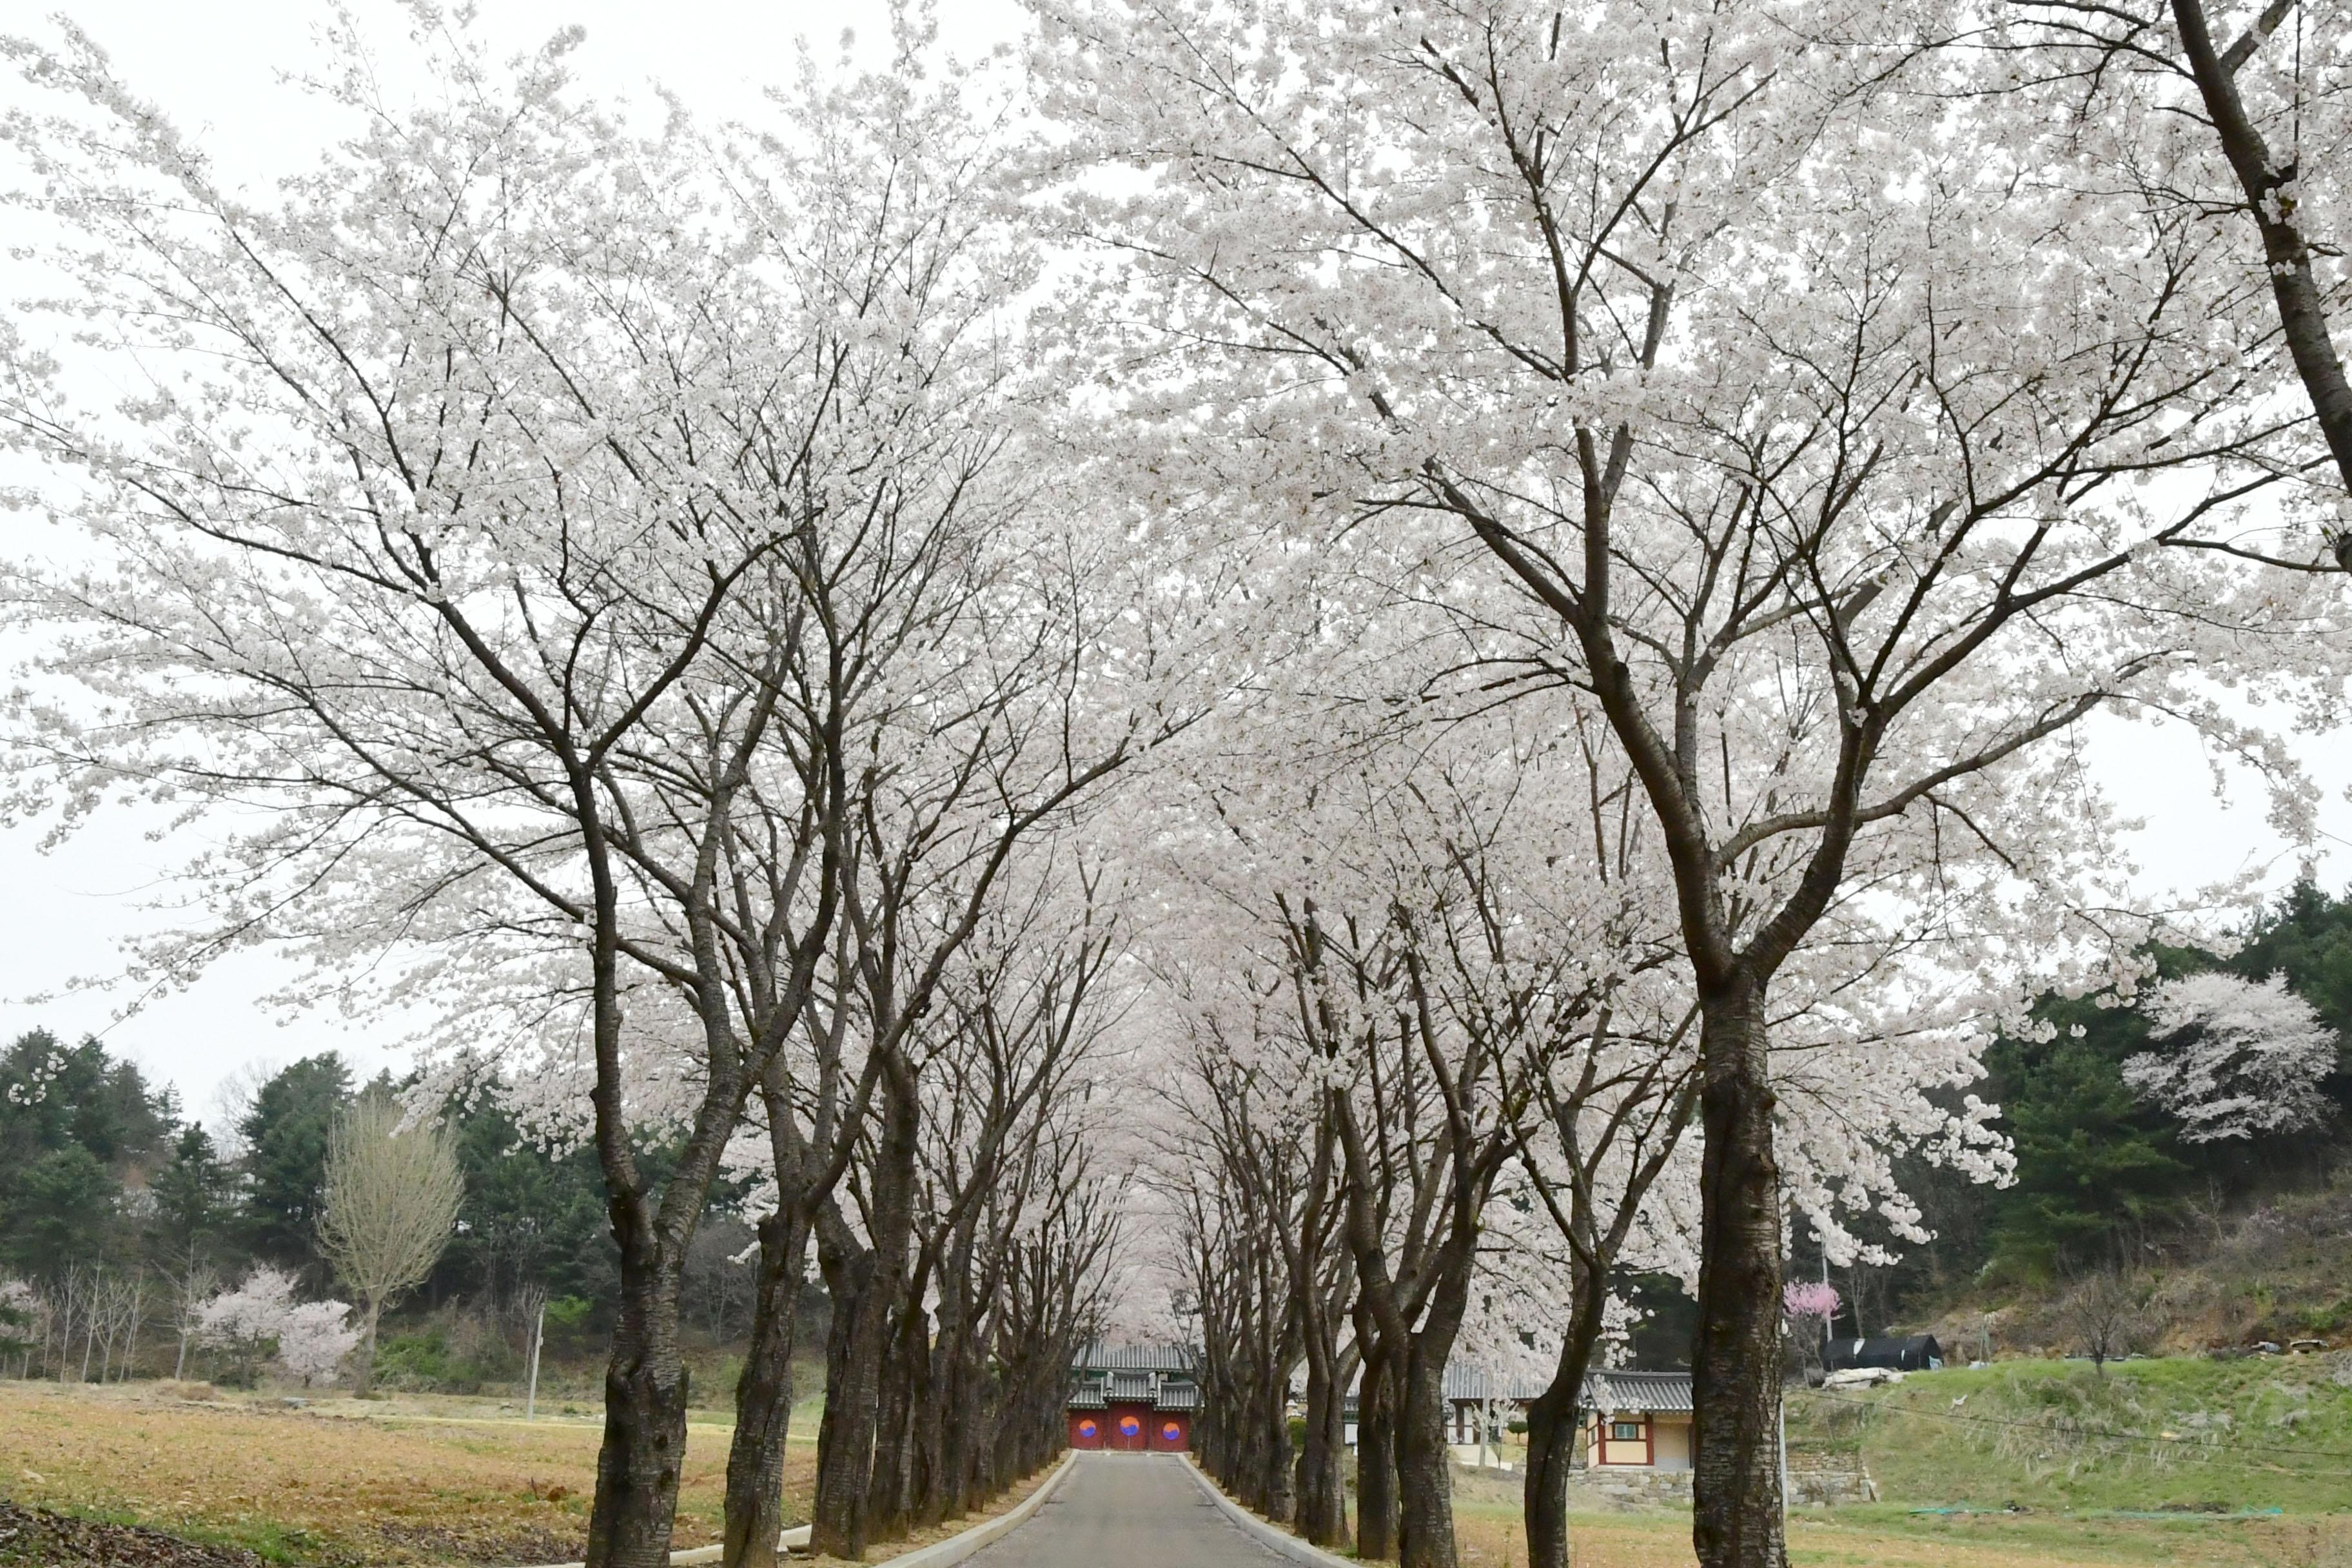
(123,1218)
(2234,1235)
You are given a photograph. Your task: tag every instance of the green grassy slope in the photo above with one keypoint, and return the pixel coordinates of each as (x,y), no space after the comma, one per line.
(2158,1435)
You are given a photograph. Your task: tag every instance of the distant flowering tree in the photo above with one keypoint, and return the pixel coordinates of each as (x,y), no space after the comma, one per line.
(1811,1307)
(242,1323)
(2234,1057)
(314,1338)
(1807,1302)
(260,1320)
(19,1306)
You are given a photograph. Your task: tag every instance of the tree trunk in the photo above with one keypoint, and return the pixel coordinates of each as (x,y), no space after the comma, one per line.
(951,1406)
(845,1451)
(1376,1476)
(1551,1435)
(763,1399)
(1322,1496)
(644,1431)
(1543,1500)
(1424,1478)
(906,1367)
(845,1441)
(1736,1360)
(1552,1417)
(363,1379)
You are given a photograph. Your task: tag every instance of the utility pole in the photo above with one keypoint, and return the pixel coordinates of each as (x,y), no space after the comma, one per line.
(1784,1464)
(539,1332)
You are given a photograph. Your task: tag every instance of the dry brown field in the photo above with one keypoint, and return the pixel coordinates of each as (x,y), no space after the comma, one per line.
(339,1481)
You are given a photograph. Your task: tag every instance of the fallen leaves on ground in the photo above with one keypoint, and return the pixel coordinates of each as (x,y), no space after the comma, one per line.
(30,1535)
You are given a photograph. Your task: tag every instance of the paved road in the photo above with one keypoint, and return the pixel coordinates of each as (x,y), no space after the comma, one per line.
(1126,1510)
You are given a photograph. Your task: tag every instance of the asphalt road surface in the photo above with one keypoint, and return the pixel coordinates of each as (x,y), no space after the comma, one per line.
(1126,1510)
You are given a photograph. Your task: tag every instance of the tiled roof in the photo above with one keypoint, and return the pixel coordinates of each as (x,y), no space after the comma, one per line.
(1133,1358)
(1465,1383)
(1175,1396)
(1667,1392)
(1088,1399)
(1131,1385)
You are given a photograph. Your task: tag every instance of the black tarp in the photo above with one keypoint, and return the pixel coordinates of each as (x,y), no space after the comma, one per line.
(1909,1353)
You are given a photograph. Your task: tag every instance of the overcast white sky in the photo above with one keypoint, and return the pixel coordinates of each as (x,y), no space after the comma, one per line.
(213,68)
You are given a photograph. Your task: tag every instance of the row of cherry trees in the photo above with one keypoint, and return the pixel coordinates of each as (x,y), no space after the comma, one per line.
(1818,411)
(605,589)
(1584,539)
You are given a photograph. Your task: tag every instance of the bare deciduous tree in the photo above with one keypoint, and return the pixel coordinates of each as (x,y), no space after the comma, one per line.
(391,1203)
(2102,1313)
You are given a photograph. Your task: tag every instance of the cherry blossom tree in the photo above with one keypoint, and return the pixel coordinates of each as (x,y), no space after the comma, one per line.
(315,1338)
(2234,1057)
(1481,868)
(261,1319)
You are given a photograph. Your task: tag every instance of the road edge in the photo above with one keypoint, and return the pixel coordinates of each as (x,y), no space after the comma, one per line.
(988,1531)
(1271,1536)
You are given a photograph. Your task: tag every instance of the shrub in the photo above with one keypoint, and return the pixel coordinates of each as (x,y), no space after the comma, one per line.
(455,1353)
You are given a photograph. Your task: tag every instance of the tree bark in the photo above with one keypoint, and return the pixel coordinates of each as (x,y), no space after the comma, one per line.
(906,1368)
(763,1396)
(1424,1475)
(1543,1499)
(846,1434)
(363,1379)
(645,1430)
(1376,1475)
(1552,1433)
(865,1283)
(1322,1494)
(1735,1362)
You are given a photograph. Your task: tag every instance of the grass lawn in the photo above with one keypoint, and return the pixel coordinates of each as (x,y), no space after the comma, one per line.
(2034,1463)
(1854,1539)
(2170,1435)
(1886,1536)
(341,1481)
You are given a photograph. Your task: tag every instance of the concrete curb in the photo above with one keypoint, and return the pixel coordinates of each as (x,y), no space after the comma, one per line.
(1273,1537)
(956,1547)
(798,1535)
(939,1554)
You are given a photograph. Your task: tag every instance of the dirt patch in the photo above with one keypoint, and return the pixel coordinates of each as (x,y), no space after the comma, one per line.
(494,1548)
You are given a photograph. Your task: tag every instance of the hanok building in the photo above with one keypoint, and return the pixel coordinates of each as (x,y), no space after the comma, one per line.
(1637,1420)
(1626,1420)
(1135,1399)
